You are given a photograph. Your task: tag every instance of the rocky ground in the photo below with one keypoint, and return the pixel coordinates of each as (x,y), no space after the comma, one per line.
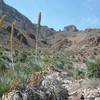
(57,86)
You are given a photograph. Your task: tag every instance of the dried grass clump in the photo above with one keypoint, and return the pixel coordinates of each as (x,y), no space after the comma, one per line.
(36,78)
(2,21)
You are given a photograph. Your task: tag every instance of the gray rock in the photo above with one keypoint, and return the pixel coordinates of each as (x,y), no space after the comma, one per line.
(50,89)
(36,93)
(91,98)
(70,28)
(97,98)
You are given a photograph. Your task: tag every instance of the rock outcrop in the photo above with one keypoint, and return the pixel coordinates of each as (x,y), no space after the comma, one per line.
(57,86)
(70,28)
(50,89)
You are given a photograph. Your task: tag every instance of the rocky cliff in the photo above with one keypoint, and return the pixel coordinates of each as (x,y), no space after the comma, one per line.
(23,26)
(23,23)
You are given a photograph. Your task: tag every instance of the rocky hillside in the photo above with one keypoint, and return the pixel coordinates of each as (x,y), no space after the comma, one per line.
(67,65)
(23,26)
(25,29)
(23,23)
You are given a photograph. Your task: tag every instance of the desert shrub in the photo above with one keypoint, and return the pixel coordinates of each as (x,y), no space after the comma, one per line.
(79,73)
(24,64)
(5,81)
(61,60)
(20,56)
(3,87)
(2,65)
(93,68)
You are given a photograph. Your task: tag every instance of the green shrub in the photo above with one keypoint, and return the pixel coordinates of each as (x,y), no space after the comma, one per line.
(79,73)
(3,87)
(61,60)
(93,68)
(5,82)
(3,66)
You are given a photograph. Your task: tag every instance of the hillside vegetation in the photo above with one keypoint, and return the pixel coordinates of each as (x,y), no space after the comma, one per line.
(29,53)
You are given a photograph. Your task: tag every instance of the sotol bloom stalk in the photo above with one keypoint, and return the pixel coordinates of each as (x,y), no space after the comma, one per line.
(2,21)
(37,33)
(11,43)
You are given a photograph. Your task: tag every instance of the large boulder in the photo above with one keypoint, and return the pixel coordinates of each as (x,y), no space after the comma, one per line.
(70,28)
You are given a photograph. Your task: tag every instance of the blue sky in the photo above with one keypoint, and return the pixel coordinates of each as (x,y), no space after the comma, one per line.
(60,13)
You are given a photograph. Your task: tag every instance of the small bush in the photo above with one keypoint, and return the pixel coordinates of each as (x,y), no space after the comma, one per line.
(93,68)
(3,87)
(79,73)
(5,82)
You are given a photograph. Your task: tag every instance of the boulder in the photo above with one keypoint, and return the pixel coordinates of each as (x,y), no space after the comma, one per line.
(71,28)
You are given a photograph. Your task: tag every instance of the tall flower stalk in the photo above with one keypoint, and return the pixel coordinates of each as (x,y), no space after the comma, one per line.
(2,21)
(38,26)
(11,44)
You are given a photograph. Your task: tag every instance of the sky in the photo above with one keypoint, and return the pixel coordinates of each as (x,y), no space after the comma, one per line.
(59,13)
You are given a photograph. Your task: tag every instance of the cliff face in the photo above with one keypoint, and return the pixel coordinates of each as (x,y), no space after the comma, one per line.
(23,25)
(1,1)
